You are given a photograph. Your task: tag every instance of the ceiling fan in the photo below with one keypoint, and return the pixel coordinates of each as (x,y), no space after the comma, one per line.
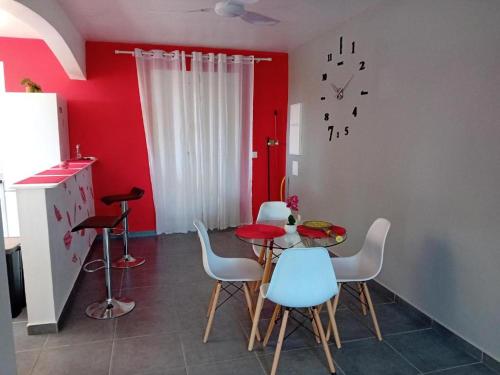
(236,8)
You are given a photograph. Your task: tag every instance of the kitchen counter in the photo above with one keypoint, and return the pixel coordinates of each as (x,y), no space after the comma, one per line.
(55,175)
(50,203)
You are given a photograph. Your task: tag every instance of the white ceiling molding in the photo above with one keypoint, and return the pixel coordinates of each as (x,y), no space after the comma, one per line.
(48,20)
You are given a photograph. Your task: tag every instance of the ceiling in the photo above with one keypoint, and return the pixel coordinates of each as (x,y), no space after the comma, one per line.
(163,22)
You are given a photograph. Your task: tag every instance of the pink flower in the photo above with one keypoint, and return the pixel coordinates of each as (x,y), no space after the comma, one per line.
(293,202)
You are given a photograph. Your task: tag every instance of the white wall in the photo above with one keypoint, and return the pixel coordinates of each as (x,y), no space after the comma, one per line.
(7,356)
(423,152)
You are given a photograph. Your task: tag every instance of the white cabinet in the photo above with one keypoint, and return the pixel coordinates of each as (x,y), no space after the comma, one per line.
(33,137)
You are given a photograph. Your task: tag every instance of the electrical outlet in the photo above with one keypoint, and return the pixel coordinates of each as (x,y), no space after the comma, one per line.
(295,168)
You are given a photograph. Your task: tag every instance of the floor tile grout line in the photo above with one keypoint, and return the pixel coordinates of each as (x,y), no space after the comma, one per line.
(183,351)
(35,363)
(353,340)
(402,356)
(407,332)
(110,368)
(260,363)
(451,368)
(76,344)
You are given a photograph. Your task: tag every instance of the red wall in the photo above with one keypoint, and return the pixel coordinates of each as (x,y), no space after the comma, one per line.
(105,115)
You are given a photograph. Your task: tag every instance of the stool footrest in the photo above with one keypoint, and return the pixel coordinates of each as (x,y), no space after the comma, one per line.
(90,270)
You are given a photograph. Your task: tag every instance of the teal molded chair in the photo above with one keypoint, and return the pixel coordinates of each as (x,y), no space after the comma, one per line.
(303,279)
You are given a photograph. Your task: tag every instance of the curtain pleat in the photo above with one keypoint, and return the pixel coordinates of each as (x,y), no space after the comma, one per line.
(198,128)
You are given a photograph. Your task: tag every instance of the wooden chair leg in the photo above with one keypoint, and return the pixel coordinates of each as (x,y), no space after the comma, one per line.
(279,344)
(212,311)
(315,329)
(333,323)
(323,341)
(271,325)
(266,276)
(211,299)
(250,307)
(335,305)
(372,311)
(262,260)
(362,298)
(261,255)
(255,322)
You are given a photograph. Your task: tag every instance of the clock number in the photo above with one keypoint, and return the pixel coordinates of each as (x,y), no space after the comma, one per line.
(341,42)
(324,77)
(327,116)
(364,92)
(338,134)
(353,47)
(323,98)
(330,129)
(329,57)
(355,111)
(362,65)
(346,130)
(340,63)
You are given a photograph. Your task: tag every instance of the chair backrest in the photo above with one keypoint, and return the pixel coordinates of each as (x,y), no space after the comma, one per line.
(209,257)
(274,210)
(371,255)
(303,277)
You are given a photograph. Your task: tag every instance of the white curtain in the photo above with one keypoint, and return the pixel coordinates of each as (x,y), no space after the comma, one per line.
(198,126)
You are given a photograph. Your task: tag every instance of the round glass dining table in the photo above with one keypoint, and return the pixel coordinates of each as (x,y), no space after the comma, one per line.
(271,248)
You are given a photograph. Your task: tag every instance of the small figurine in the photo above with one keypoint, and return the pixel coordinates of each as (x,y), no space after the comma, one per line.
(30,86)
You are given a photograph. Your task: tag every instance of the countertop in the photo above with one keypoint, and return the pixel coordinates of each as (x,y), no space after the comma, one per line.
(55,175)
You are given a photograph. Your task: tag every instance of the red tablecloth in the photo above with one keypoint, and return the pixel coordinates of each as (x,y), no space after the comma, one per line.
(259,231)
(319,233)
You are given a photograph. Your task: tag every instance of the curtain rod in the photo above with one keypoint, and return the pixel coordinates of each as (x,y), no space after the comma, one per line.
(119,52)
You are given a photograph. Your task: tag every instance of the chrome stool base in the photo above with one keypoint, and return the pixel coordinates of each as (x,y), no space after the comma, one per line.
(128,261)
(110,309)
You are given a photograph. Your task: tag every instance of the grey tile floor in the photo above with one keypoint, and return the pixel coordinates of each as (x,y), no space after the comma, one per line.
(163,334)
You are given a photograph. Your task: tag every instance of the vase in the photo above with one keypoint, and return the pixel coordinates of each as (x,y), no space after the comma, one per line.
(290,228)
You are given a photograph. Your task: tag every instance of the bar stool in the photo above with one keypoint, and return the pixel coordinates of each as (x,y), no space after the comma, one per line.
(111,307)
(127,260)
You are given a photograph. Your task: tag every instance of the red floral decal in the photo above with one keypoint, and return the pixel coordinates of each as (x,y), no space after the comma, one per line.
(74,214)
(79,207)
(69,219)
(67,240)
(74,259)
(57,213)
(65,185)
(82,193)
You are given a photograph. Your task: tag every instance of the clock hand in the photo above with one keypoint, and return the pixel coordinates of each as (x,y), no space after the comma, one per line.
(338,92)
(347,84)
(335,88)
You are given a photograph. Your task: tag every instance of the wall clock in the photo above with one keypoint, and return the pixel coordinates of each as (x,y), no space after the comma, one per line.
(343,90)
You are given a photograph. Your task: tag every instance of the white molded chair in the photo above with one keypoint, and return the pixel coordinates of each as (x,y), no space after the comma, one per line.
(364,266)
(272,210)
(225,270)
(303,278)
